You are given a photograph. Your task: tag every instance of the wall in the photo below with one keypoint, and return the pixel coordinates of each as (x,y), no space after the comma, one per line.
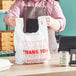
(69,10)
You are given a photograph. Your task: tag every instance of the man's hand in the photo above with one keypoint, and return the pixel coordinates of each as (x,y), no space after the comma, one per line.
(10,21)
(52,23)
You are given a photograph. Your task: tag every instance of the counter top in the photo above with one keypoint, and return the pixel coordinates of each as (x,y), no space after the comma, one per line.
(52,68)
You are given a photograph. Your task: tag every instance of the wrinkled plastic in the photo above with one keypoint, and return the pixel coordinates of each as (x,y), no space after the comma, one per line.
(31,47)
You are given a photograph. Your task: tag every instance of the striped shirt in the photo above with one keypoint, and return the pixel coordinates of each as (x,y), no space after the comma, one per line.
(53,8)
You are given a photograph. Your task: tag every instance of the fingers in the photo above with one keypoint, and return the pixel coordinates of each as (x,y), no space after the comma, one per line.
(49,20)
(12,21)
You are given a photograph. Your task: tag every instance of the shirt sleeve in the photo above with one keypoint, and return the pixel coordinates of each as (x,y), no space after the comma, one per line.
(58,14)
(14,9)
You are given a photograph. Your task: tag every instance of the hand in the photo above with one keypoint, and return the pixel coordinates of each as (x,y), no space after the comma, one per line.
(54,24)
(10,21)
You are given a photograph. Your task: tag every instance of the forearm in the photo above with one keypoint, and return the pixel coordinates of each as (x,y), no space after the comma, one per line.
(58,15)
(12,13)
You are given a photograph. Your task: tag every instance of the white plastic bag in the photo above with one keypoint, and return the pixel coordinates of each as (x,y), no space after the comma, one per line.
(5,64)
(31,47)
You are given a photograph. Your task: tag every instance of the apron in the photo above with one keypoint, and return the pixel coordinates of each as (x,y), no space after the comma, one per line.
(32,13)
